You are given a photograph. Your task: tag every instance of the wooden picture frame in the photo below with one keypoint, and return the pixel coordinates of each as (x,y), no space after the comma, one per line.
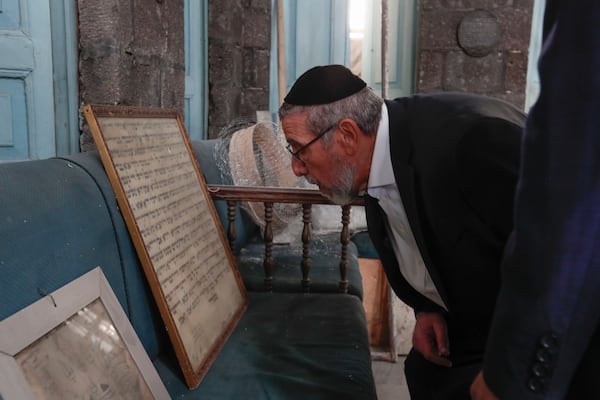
(75,343)
(175,229)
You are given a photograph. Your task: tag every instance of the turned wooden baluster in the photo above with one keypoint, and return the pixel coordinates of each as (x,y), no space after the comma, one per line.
(344,239)
(268,238)
(231,234)
(305,263)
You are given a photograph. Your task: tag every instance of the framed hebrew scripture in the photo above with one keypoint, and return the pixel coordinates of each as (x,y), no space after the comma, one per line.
(75,343)
(175,229)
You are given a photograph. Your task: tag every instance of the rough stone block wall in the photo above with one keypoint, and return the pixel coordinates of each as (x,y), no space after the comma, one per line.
(477,46)
(239,41)
(131,53)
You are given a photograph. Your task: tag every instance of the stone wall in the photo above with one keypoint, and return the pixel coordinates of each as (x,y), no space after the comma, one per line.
(239,41)
(131,53)
(477,46)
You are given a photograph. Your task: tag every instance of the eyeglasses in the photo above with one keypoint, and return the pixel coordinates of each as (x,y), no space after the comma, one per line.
(296,154)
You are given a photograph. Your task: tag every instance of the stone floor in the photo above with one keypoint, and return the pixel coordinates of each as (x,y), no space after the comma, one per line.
(389,380)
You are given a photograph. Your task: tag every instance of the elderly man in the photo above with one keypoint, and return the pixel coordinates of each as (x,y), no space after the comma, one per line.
(439,174)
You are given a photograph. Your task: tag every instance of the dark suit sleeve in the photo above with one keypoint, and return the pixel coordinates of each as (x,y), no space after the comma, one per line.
(548,308)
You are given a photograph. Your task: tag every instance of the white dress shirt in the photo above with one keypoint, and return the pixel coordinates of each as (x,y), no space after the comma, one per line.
(382,186)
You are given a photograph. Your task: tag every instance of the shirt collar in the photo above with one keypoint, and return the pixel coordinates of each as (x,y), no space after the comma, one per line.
(382,173)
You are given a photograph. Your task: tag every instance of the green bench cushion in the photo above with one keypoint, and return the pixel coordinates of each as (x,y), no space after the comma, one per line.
(364,245)
(288,346)
(54,227)
(59,219)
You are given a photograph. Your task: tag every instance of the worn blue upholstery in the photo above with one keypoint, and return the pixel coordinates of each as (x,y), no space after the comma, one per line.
(141,309)
(364,245)
(54,226)
(59,219)
(288,346)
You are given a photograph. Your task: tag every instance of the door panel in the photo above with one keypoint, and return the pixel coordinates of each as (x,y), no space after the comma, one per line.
(402,17)
(532,90)
(9,15)
(196,75)
(13,128)
(26,90)
(317,33)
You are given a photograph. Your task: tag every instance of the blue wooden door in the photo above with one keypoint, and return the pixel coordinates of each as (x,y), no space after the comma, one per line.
(196,62)
(317,32)
(26,81)
(402,23)
(532,89)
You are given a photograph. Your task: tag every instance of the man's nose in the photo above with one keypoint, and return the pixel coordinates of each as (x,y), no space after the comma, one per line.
(298,167)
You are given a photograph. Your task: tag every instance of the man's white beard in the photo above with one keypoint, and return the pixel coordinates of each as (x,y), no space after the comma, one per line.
(342,191)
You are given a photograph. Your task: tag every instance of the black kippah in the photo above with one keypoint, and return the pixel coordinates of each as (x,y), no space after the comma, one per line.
(324,84)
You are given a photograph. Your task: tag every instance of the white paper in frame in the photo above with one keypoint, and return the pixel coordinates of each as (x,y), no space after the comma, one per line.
(75,343)
(174,227)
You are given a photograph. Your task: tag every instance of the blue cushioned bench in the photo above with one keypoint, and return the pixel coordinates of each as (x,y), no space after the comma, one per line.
(59,219)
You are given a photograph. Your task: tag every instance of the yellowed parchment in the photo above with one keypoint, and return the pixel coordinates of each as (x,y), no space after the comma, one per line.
(176,226)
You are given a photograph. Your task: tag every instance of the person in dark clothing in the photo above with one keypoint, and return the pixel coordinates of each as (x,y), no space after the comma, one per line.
(545,339)
(438,172)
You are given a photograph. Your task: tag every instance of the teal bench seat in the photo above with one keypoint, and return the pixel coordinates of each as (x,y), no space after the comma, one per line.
(59,219)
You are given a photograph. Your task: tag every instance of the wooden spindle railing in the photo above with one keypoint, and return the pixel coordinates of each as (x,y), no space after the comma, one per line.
(268,238)
(269,196)
(344,240)
(305,263)
(231,234)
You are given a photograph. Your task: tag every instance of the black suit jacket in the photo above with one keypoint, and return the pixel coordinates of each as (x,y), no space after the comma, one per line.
(455,159)
(545,339)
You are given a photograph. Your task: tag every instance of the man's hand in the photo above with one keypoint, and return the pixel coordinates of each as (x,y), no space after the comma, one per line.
(430,338)
(480,390)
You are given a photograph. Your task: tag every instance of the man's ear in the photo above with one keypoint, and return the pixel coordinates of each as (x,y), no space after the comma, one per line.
(349,136)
